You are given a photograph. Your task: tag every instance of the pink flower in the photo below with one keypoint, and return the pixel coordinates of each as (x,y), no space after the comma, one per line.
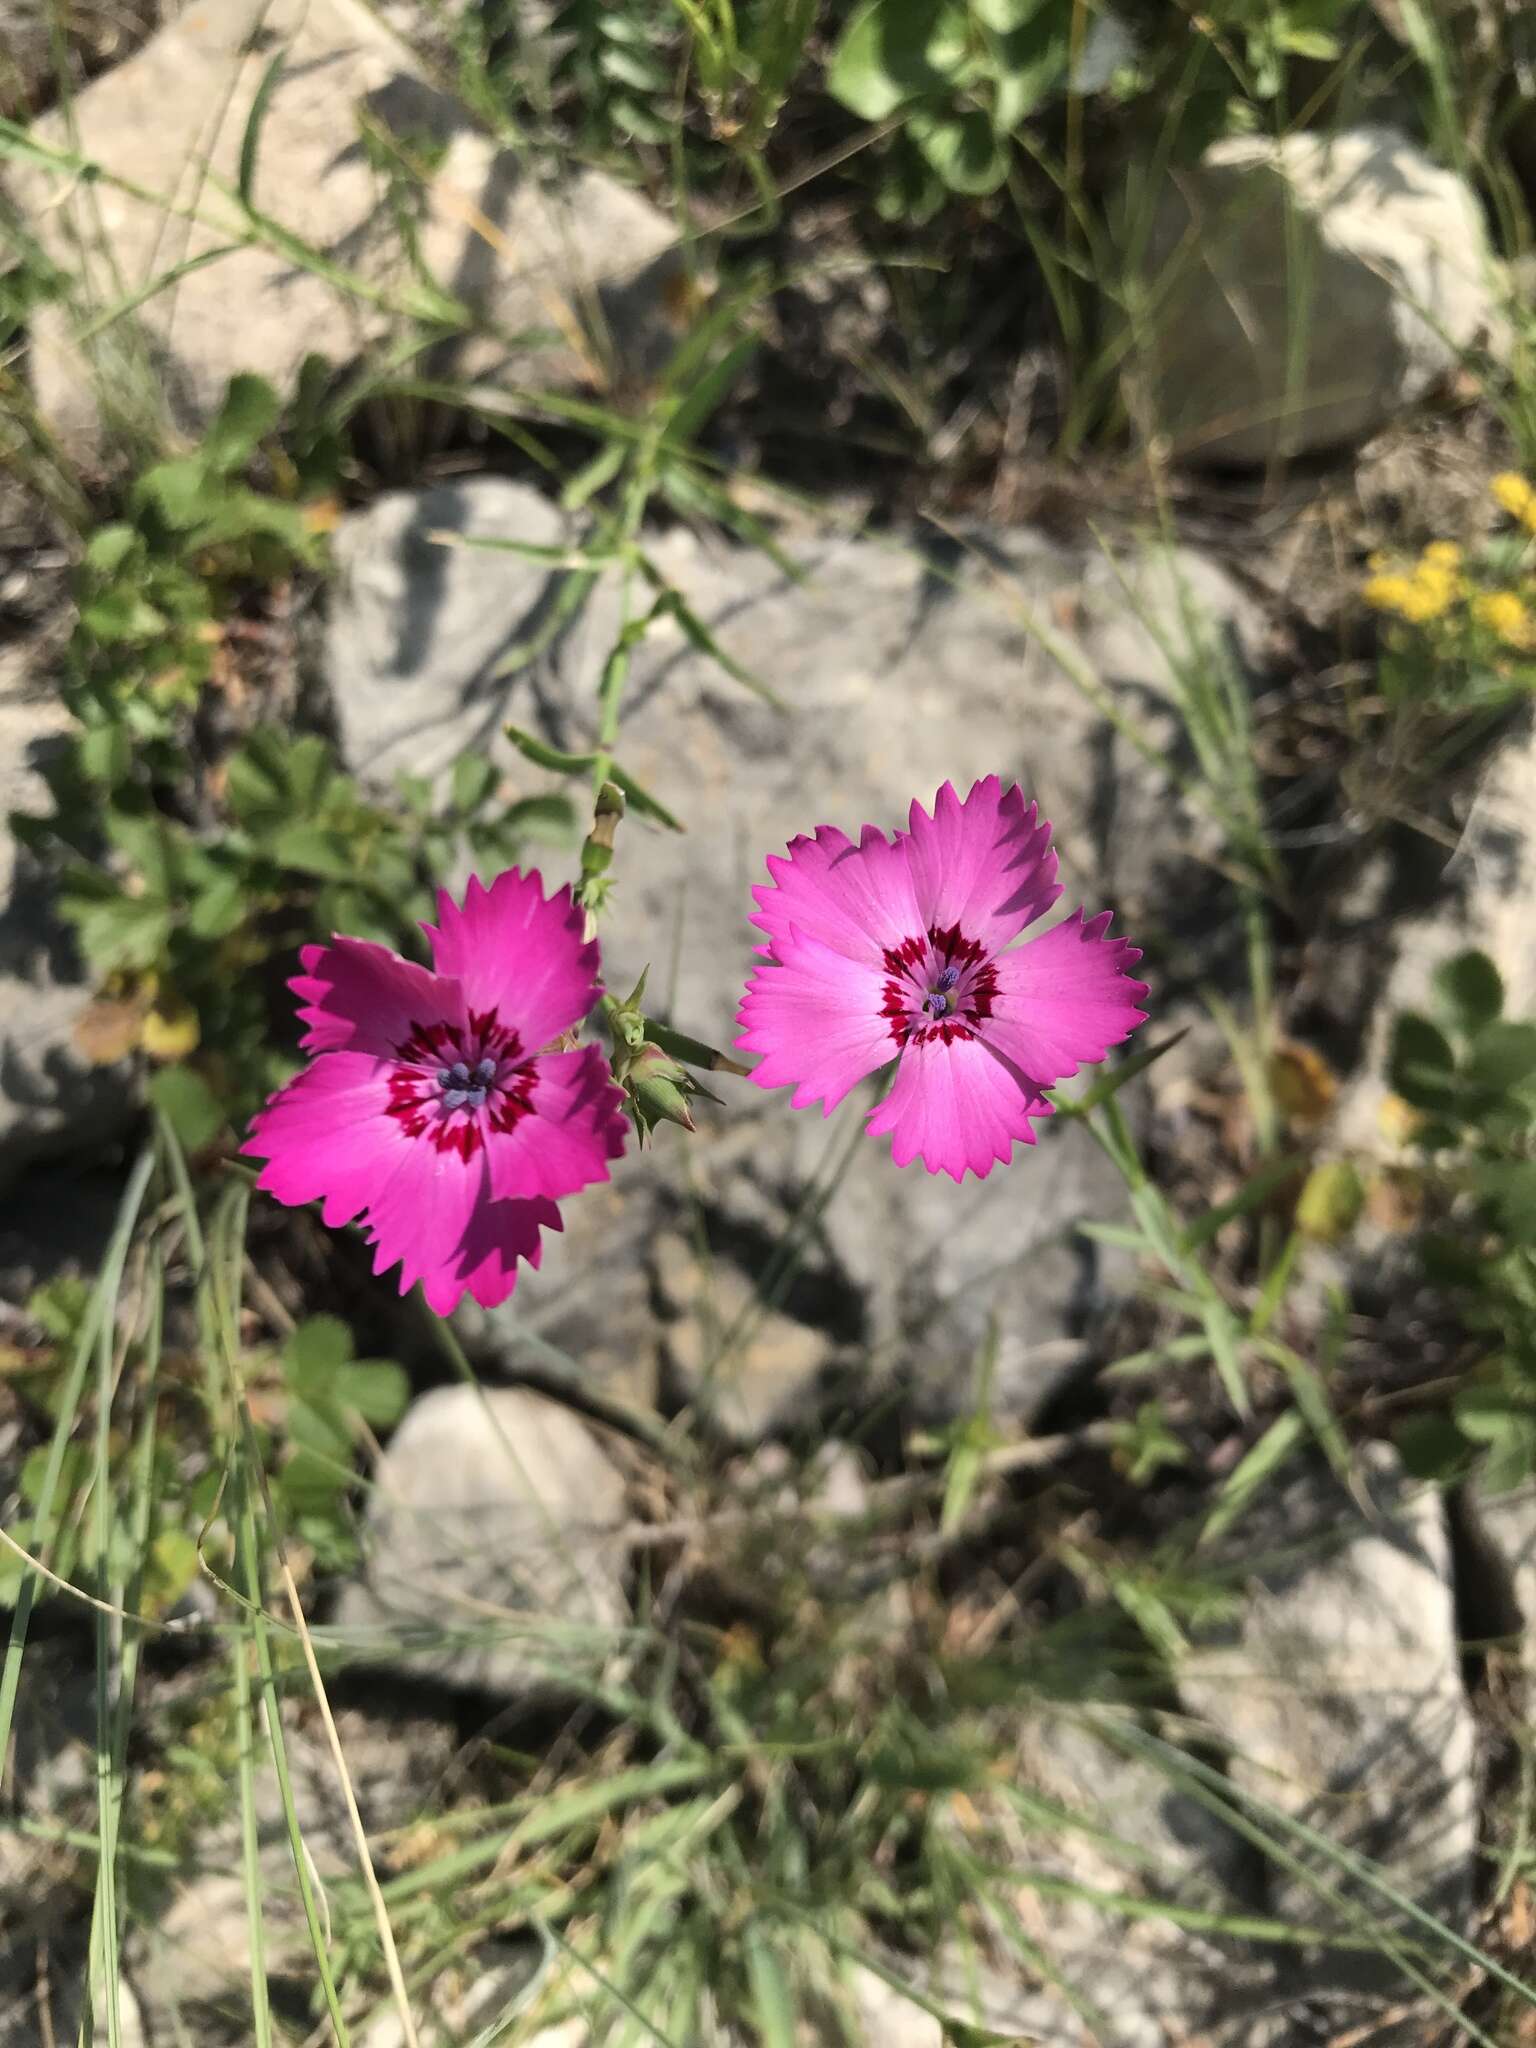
(895,949)
(429,1109)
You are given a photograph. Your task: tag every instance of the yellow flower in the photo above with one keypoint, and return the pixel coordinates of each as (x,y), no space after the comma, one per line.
(1516,496)
(1443,554)
(1430,594)
(1503,613)
(1387,593)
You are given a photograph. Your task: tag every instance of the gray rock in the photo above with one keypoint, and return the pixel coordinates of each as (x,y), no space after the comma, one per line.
(1304,291)
(745,1363)
(563,276)
(1337,1695)
(898,670)
(1135,1980)
(479,1999)
(191,1964)
(492,1555)
(51,1098)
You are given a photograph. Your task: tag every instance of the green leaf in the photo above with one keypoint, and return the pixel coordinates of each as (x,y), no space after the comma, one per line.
(109,547)
(1489,1413)
(1253,1472)
(1508,1188)
(1116,1078)
(312,850)
(241,515)
(219,910)
(1431,1447)
(474,777)
(1330,1202)
(1029,64)
(120,616)
(773,2005)
(315,1352)
(172,1565)
(250,142)
(106,754)
(545,756)
(181,492)
(1310,42)
(117,931)
(1503,1055)
(1421,1065)
(309,1480)
(251,409)
(893,51)
(962,148)
(375,1388)
(1469,990)
(188,1105)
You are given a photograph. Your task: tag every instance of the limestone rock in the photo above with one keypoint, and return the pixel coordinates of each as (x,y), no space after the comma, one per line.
(1139,1981)
(1337,1691)
(191,1964)
(1304,291)
(745,1363)
(578,275)
(492,1558)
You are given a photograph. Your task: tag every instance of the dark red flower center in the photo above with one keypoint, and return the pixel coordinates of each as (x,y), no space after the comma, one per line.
(938,986)
(454,1086)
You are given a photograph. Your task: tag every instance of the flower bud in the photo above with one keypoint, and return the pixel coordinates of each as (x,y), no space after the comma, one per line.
(659,1088)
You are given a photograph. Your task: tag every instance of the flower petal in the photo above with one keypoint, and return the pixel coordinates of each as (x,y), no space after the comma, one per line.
(439,1219)
(1064,999)
(957,1106)
(815,1016)
(985,865)
(856,899)
(356,996)
(518,954)
(574,1126)
(327,1136)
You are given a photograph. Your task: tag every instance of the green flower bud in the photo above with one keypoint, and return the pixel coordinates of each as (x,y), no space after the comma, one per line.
(659,1088)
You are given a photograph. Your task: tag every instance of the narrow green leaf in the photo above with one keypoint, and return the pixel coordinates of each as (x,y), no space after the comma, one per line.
(543,755)
(773,2004)
(250,142)
(1115,1079)
(1253,1472)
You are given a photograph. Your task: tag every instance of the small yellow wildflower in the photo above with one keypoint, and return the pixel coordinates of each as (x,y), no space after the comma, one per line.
(1443,554)
(1503,613)
(1386,593)
(1516,496)
(1429,593)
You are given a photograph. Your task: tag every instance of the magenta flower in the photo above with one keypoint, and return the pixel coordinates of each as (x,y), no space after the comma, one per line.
(894,948)
(429,1108)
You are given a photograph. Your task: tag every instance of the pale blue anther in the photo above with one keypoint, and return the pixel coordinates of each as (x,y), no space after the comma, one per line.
(937,1000)
(463,1089)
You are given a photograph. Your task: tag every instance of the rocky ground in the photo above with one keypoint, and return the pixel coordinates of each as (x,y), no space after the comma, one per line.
(826,676)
